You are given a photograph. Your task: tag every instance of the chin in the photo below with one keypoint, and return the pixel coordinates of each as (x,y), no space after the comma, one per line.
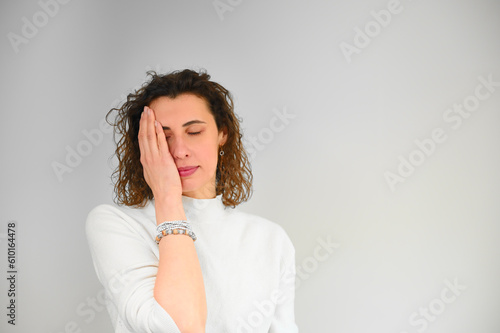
(190,185)
(198,188)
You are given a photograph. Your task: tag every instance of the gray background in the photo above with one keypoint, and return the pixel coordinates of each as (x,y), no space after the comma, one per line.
(321,174)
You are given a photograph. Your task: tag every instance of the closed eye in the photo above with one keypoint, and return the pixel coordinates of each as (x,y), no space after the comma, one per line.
(189,133)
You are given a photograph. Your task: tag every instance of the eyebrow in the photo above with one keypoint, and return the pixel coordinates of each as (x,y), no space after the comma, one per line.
(187,124)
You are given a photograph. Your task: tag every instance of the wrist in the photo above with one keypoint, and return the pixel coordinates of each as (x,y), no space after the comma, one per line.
(168,199)
(169,209)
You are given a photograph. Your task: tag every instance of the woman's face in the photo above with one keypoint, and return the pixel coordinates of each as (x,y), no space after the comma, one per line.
(193,140)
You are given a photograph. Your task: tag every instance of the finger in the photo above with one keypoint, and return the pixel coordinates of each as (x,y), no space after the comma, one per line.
(151,136)
(162,140)
(142,136)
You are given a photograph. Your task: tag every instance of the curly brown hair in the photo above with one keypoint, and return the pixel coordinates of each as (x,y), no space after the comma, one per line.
(233,175)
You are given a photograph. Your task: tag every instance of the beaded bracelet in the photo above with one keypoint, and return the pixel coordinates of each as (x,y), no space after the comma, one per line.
(177,231)
(174,228)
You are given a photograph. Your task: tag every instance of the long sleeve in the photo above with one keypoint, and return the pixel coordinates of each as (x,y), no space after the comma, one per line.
(284,316)
(126,265)
(247,262)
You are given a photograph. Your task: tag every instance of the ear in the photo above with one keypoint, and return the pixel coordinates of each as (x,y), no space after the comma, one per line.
(222,136)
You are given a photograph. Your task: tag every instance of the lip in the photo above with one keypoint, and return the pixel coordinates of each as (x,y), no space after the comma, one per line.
(187,171)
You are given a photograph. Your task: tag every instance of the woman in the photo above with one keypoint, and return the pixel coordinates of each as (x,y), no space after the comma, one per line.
(174,255)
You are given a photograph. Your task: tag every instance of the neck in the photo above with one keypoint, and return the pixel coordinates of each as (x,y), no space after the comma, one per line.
(205,192)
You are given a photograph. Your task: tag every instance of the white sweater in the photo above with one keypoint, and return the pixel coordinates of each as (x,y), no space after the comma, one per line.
(248,266)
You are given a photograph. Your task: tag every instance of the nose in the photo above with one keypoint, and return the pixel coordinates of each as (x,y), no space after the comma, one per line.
(178,148)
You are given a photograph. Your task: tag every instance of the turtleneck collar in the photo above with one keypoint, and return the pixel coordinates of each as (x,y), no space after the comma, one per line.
(198,210)
(203,210)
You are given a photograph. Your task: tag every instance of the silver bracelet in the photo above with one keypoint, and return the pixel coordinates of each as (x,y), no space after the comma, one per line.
(168,224)
(179,227)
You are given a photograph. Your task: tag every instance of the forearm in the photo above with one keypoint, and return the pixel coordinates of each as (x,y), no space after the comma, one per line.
(179,286)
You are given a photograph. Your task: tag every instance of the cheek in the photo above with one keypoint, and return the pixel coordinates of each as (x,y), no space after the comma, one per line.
(209,155)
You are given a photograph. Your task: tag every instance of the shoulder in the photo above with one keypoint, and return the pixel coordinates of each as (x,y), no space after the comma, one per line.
(103,214)
(112,218)
(267,238)
(254,220)
(265,229)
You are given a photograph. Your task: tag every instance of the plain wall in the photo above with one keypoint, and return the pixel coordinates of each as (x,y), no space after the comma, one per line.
(389,150)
